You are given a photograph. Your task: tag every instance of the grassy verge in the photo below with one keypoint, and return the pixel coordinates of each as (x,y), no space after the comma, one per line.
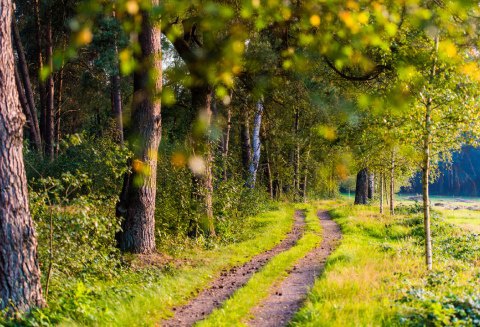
(238,307)
(145,296)
(377,275)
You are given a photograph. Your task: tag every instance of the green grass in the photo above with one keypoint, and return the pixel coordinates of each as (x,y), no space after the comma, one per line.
(236,310)
(468,219)
(144,297)
(369,280)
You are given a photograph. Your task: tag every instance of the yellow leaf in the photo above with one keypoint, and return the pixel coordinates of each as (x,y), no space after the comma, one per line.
(315,20)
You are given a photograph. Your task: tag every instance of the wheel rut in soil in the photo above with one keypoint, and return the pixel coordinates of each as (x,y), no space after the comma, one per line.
(286,298)
(231,280)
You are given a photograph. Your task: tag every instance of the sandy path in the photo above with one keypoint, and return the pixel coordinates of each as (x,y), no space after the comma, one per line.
(231,280)
(286,298)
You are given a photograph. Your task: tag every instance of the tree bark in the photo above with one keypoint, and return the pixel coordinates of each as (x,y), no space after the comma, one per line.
(50,101)
(256,145)
(137,201)
(382,177)
(392,184)
(34,138)
(20,288)
(245,135)
(41,84)
(117,96)
(296,159)
(427,141)
(58,112)
(268,164)
(226,143)
(361,187)
(26,86)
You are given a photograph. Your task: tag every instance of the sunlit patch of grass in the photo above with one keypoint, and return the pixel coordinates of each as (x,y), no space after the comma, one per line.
(377,261)
(467,219)
(238,307)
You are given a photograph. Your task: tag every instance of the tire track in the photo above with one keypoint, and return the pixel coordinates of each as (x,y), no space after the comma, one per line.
(231,280)
(286,298)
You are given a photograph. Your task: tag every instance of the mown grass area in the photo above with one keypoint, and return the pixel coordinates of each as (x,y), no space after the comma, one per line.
(146,295)
(236,310)
(468,219)
(377,276)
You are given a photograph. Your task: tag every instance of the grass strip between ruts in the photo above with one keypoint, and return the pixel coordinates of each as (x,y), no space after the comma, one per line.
(238,307)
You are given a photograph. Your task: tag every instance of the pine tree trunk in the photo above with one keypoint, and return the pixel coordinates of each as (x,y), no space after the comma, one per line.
(361,187)
(33,137)
(137,202)
(256,145)
(20,286)
(50,101)
(392,185)
(26,86)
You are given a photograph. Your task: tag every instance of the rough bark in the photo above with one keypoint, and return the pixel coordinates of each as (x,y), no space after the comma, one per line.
(137,202)
(361,187)
(256,146)
(371,185)
(20,287)
(26,86)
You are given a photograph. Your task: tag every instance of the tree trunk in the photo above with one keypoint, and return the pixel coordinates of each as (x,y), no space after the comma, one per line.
(34,137)
(426,168)
(392,184)
(203,183)
(305,175)
(226,143)
(296,158)
(382,177)
(256,145)
(26,86)
(268,164)
(361,187)
(245,135)
(50,101)
(117,96)
(41,84)
(58,112)
(371,185)
(20,287)
(137,201)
